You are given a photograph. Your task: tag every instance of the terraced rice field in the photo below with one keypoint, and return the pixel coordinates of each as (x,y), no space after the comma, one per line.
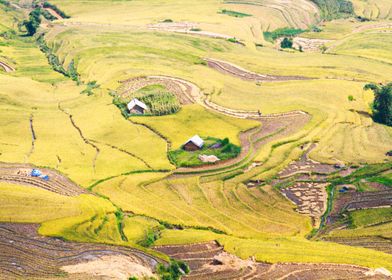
(295,115)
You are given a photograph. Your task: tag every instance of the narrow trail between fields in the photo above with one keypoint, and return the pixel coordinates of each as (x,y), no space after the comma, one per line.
(85,140)
(33,136)
(6,67)
(239,72)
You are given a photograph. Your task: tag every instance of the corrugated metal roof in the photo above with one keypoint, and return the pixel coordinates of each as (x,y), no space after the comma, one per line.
(137,102)
(197,141)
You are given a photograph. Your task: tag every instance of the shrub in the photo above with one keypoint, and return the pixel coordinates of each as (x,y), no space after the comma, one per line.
(351,98)
(173,271)
(33,23)
(286,43)
(167,20)
(282,32)
(382,105)
(332,9)
(56,9)
(234,13)
(90,87)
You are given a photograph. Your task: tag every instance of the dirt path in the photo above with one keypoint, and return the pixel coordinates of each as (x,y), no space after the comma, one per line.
(25,254)
(209,261)
(6,67)
(54,13)
(20,174)
(186,28)
(239,72)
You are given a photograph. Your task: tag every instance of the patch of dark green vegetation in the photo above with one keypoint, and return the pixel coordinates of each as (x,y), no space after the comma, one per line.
(120,225)
(157,98)
(287,43)
(168,20)
(333,9)
(48,15)
(234,13)
(173,271)
(90,86)
(33,22)
(56,9)
(222,149)
(52,58)
(152,235)
(289,32)
(382,104)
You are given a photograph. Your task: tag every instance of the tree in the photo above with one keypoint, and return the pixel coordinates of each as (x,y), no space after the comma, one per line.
(382,105)
(286,43)
(34,21)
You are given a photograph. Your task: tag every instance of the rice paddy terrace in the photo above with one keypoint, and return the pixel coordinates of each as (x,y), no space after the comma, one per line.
(88,189)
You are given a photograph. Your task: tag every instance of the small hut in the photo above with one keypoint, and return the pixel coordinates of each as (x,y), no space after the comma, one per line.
(136,107)
(194,144)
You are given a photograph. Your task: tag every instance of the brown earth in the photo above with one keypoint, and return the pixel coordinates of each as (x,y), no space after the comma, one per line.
(6,67)
(310,198)
(26,255)
(209,261)
(54,13)
(239,72)
(20,174)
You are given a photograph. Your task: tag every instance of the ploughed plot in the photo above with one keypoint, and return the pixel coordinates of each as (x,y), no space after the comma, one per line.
(25,254)
(209,261)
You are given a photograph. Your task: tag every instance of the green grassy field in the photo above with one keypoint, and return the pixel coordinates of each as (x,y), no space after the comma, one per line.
(125,161)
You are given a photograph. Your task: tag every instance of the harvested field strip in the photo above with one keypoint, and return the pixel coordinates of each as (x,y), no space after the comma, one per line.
(26,254)
(237,71)
(6,67)
(20,174)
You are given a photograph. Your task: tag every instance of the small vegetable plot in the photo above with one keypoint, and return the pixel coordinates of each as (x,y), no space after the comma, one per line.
(209,151)
(156,100)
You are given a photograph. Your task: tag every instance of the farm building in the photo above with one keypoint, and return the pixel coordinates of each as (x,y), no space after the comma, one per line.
(194,144)
(136,107)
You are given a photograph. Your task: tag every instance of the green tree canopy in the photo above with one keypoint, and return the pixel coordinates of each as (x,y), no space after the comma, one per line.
(382,105)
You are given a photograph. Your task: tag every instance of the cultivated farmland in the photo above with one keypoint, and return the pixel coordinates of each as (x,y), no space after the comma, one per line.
(89,189)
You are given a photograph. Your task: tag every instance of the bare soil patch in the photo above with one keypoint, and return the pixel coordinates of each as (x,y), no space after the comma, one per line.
(239,72)
(209,261)
(113,267)
(20,174)
(310,198)
(54,13)
(7,68)
(24,254)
